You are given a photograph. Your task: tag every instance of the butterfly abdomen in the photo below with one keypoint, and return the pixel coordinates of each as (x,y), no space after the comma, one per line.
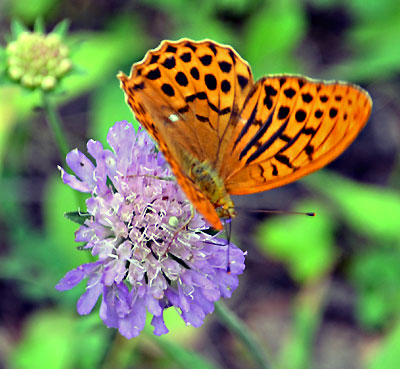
(209,182)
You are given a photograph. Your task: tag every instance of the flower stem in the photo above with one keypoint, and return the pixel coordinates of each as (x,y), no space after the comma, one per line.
(239,329)
(55,125)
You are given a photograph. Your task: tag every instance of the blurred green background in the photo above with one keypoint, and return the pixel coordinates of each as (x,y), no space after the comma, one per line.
(320,292)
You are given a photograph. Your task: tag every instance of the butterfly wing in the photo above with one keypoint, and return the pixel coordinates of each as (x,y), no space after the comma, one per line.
(289,127)
(186,94)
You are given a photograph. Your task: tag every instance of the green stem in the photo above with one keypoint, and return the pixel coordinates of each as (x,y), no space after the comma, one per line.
(239,329)
(55,125)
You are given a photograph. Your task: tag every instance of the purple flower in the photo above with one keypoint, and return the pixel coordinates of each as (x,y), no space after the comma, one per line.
(152,254)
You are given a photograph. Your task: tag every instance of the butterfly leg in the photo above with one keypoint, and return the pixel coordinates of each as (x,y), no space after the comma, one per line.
(171,178)
(184,225)
(228,232)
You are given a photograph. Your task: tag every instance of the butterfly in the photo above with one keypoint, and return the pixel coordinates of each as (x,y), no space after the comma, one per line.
(225,134)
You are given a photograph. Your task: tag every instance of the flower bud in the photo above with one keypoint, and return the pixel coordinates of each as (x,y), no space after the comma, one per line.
(37,60)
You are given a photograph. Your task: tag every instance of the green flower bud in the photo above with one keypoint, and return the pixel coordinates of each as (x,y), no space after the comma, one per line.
(63,67)
(37,60)
(27,80)
(48,83)
(15,73)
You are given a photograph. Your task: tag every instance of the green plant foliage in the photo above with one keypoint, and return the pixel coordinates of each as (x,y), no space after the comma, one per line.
(369,210)
(98,54)
(29,11)
(272,36)
(375,273)
(108,106)
(388,355)
(307,249)
(183,357)
(77,216)
(60,230)
(57,340)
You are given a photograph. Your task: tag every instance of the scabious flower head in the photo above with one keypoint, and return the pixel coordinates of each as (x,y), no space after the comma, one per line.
(36,60)
(152,252)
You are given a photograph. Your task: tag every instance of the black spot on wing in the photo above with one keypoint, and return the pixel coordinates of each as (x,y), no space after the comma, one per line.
(168,89)
(283,159)
(181,79)
(225,86)
(307,98)
(154,59)
(289,92)
(169,63)
(300,115)
(186,57)
(318,114)
(242,80)
(184,109)
(210,81)
(213,48)
(225,66)
(333,112)
(154,74)
(233,56)
(283,112)
(227,110)
(201,95)
(309,149)
(190,98)
(206,60)
(323,98)
(171,49)
(202,118)
(194,72)
(269,92)
(309,131)
(191,46)
(139,86)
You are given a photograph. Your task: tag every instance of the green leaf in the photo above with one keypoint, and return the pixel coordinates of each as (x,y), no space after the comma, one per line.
(53,339)
(375,273)
(61,28)
(17,28)
(308,305)
(29,11)
(98,57)
(183,357)
(59,198)
(39,26)
(370,210)
(77,216)
(108,107)
(272,36)
(48,342)
(307,248)
(388,356)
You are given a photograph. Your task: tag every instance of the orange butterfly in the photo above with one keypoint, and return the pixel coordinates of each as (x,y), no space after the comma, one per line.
(224,134)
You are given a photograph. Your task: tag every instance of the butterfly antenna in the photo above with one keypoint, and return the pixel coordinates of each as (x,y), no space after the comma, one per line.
(274,211)
(228,232)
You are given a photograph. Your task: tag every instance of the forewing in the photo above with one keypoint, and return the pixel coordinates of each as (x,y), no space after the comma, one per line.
(185,94)
(289,127)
